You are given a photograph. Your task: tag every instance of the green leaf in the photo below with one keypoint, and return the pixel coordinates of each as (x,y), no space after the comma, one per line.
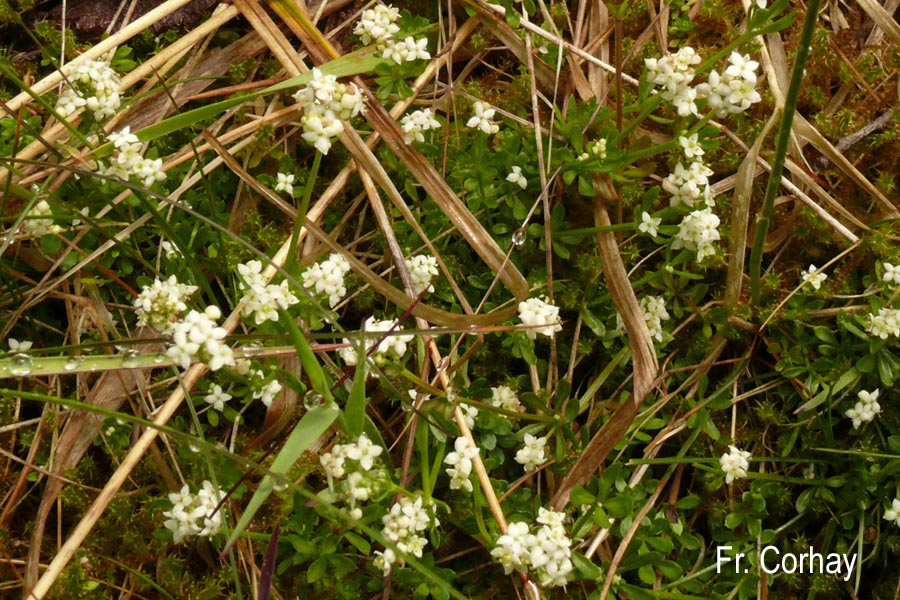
(733,520)
(358,542)
(355,412)
(586,567)
(317,569)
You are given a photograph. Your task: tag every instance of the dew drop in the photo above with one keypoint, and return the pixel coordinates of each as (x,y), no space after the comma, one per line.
(71,364)
(518,238)
(444,364)
(312,399)
(472,330)
(131,359)
(159,358)
(21,365)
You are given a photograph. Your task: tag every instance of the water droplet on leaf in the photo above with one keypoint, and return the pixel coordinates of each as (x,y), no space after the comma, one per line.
(312,399)
(131,359)
(21,365)
(518,238)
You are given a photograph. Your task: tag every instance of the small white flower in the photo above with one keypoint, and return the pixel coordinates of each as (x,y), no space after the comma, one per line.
(422,269)
(217,398)
(649,224)
(327,278)
(865,410)
(483,118)
(893,513)
(17,346)
(698,232)
(505,397)
(531,456)
(735,463)
(690,146)
(535,311)
(814,277)
(416,123)
(886,323)
(194,514)
(460,464)
(891,273)
(285,183)
(377,24)
(267,393)
(516,177)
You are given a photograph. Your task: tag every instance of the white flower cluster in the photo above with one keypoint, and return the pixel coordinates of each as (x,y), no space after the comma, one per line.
(91,84)
(406,50)
(391,345)
(814,277)
(39,221)
(865,409)
(402,526)
(505,397)
(734,90)
(198,336)
(893,513)
(595,149)
(460,462)
(886,323)
(415,124)
(547,552)
(483,119)
(535,311)
(194,514)
(891,273)
(326,102)
(128,160)
(730,92)
(674,73)
(531,455)
(422,269)
(689,185)
(161,302)
(378,25)
(260,300)
(353,483)
(735,463)
(516,177)
(327,277)
(698,232)
(655,313)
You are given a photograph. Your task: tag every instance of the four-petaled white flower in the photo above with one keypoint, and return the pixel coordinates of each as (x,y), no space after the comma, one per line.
(217,398)
(483,118)
(649,224)
(516,177)
(285,183)
(891,273)
(865,410)
(814,277)
(531,456)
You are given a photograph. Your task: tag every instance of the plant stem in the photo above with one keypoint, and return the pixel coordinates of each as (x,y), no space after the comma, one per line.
(784,136)
(304,207)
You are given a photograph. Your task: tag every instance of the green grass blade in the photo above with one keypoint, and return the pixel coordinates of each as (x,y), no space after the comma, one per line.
(313,424)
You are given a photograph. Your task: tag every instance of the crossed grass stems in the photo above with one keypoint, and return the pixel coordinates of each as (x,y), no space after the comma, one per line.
(316,45)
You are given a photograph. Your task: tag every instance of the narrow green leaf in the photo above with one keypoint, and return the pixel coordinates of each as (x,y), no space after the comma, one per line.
(313,424)
(317,376)
(355,412)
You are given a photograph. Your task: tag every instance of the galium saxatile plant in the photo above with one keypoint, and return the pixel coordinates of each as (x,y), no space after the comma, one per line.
(546,552)
(262,300)
(422,269)
(194,514)
(865,410)
(392,347)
